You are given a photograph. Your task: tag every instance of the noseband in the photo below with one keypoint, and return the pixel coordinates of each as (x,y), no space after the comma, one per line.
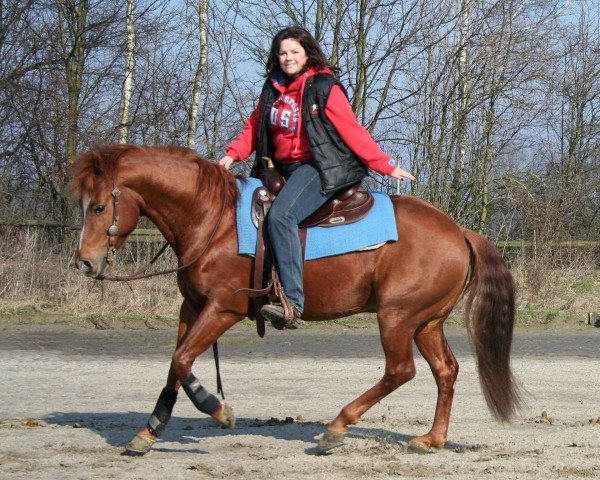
(113,231)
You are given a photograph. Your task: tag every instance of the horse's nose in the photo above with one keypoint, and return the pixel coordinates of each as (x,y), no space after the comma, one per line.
(84,266)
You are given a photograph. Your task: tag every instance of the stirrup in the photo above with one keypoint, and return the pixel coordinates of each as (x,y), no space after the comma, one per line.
(281,312)
(276,314)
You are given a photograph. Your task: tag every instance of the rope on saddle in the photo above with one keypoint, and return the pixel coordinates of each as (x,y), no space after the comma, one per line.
(288,308)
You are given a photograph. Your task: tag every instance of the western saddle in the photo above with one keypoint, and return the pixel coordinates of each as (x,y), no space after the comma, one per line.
(345,207)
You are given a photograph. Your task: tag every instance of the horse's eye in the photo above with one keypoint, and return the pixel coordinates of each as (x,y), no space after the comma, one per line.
(99,208)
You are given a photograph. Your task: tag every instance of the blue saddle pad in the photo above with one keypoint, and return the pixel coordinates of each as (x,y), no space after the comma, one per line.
(377,227)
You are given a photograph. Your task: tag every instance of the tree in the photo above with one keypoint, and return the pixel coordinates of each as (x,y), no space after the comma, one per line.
(201,7)
(574,127)
(466,91)
(129,69)
(72,29)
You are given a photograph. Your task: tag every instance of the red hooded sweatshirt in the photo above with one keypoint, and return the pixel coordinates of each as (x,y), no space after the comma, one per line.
(290,140)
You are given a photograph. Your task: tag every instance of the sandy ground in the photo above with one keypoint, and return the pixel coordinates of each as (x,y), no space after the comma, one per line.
(68,406)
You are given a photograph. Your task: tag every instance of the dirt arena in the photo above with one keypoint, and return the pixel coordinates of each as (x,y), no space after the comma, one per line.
(71,398)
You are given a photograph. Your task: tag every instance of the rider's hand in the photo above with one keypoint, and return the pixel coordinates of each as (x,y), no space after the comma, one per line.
(226,162)
(401,174)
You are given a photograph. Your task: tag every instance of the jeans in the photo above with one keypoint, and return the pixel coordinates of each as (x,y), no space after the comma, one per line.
(300,196)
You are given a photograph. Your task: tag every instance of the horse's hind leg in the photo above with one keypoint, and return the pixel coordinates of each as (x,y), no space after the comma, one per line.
(396,340)
(432,344)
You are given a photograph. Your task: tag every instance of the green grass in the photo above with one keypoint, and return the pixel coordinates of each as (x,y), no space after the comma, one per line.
(529,316)
(550,316)
(586,286)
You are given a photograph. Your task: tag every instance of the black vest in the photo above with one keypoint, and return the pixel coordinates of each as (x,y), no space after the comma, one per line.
(337,165)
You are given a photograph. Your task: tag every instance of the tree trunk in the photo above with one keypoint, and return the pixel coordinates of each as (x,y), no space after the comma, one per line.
(335,47)
(361,67)
(461,114)
(202,10)
(73,18)
(319,20)
(129,67)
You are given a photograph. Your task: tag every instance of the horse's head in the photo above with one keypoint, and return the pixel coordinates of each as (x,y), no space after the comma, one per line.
(109,211)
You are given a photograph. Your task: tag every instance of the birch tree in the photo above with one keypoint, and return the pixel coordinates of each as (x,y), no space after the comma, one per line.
(129,71)
(201,8)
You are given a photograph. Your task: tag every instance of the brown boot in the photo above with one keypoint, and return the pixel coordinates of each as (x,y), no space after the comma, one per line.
(275,314)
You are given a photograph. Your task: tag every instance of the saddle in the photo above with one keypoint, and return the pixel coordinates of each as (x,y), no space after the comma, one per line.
(345,207)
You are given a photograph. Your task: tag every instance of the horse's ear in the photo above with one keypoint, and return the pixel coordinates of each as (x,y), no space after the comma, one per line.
(87,166)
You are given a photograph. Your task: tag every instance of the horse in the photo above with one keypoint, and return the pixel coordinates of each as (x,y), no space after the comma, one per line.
(411,284)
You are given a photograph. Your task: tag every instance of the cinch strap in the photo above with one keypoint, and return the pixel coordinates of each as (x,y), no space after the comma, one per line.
(162,412)
(200,397)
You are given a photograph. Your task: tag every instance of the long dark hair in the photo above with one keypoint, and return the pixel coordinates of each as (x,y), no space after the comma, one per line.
(316,57)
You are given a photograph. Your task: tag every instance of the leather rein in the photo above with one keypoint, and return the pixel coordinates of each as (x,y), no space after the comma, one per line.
(113,231)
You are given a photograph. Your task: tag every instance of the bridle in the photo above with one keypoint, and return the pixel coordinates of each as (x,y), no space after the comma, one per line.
(113,231)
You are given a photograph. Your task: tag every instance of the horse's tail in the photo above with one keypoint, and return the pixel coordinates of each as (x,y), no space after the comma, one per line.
(490,315)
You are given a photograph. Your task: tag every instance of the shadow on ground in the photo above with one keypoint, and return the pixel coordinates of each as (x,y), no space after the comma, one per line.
(118,428)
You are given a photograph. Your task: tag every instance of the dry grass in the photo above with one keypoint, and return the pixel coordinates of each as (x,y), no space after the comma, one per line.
(557,287)
(36,273)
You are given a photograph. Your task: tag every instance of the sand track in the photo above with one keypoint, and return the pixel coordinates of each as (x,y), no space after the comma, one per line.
(67,412)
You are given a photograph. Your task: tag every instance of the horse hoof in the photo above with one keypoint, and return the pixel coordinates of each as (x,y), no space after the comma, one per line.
(139,446)
(415,447)
(330,440)
(227,418)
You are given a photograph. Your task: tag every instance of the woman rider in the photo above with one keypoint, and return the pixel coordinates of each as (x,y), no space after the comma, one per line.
(305,123)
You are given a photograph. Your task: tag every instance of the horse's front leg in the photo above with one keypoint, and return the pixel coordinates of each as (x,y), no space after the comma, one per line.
(147,436)
(190,332)
(211,324)
(157,422)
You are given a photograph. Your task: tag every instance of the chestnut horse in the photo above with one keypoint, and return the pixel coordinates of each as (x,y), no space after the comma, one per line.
(412,284)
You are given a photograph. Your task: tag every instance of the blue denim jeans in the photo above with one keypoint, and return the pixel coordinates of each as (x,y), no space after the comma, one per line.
(300,196)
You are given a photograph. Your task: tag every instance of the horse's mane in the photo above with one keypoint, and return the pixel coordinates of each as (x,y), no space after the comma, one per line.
(102,163)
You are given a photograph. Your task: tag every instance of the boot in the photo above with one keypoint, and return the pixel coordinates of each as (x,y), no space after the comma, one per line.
(276,315)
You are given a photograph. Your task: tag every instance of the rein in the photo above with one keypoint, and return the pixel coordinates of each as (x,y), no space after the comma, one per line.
(113,230)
